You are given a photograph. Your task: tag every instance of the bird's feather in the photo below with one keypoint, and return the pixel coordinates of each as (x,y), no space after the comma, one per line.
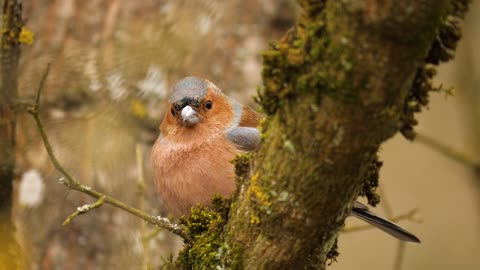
(245,138)
(243,130)
(250,118)
(385,225)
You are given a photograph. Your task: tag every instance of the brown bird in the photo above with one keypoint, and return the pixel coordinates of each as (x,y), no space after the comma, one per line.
(201,133)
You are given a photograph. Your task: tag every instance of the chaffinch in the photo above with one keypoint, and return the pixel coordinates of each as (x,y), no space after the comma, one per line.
(202,131)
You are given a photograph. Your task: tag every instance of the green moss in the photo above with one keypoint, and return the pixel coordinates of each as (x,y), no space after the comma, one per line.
(242,167)
(298,43)
(295,57)
(205,226)
(291,65)
(236,259)
(310,58)
(312,7)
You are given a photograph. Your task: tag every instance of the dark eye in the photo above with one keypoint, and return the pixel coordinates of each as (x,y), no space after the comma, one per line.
(173,112)
(208,105)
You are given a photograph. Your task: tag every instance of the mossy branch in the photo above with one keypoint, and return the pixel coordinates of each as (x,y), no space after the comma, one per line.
(72,183)
(347,77)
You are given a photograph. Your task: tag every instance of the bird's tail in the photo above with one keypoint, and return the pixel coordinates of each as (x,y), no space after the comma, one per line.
(361,211)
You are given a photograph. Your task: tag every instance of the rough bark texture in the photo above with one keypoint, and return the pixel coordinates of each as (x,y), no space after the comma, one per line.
(334,89)
(348,76)
(10,53)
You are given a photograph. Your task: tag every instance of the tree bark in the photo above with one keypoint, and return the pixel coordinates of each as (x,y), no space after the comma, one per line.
(334,88)
(10,53)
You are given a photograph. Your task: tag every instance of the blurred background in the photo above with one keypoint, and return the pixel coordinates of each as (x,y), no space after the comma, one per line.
(112,65)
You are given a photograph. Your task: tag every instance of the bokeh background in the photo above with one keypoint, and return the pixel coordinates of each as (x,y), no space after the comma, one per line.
(112,65)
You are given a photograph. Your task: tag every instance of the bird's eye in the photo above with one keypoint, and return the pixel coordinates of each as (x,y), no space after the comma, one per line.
(208,105)
(173,112)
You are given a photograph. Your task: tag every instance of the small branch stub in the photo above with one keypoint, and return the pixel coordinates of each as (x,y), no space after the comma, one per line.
(84,209)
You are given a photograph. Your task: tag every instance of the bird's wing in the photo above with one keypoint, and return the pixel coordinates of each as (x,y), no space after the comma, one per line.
(250,118)
(245,138)
(243,132)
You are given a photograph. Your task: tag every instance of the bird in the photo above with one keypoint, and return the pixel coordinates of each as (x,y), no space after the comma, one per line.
(201,133)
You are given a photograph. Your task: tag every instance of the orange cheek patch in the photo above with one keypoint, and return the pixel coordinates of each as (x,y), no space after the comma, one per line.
(221,114)
(168,123)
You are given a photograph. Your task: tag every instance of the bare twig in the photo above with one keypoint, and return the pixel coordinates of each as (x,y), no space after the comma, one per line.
(400,254)
(385,203)
(40,88)
(72,183)
(152,234)
(447,150)
(400,251)
(84,209)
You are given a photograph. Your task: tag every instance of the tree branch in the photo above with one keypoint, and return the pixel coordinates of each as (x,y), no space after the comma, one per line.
(447,151)
(69,181)
(335,87)
(400,251)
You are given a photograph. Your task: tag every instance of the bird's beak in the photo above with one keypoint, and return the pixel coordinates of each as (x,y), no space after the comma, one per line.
(190,116)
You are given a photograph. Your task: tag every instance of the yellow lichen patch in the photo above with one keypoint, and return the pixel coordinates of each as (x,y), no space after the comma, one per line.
(255,190)
(138,109)
(26,36)
(254,219)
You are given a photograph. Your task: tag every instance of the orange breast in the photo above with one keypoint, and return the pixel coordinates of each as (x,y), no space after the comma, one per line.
(188,174)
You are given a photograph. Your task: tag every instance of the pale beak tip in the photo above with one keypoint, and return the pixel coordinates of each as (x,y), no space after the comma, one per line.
(190,116)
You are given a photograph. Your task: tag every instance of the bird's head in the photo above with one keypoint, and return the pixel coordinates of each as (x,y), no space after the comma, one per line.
(197,107)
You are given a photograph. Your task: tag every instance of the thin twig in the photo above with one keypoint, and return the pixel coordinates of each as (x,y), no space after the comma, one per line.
(400,255)
(84,209)
(447,150)
(400,251)
(69,181)
(40,88)
(152,234)
(385,203)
